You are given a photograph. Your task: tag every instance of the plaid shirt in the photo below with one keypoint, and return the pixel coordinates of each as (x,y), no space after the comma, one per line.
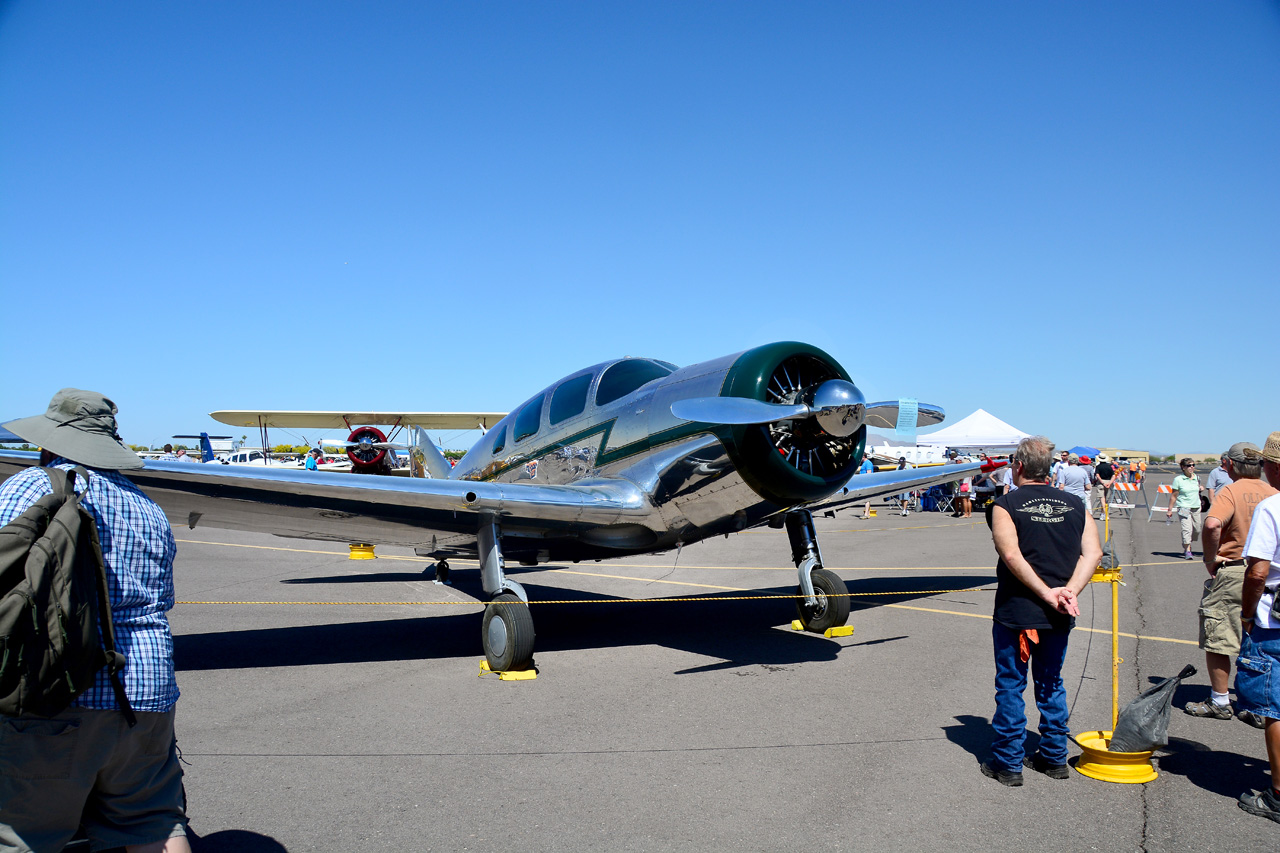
(138,550)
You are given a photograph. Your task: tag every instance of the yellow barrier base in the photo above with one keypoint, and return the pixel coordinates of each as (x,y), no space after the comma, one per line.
(1100,763)
(517,675)
(361,551)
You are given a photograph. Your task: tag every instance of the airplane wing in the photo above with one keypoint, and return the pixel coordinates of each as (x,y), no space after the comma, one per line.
(380,510)
(348,420)
(864,487)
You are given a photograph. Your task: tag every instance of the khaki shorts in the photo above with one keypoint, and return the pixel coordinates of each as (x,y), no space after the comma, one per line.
(1189,523)
(1220,612)
(124,784)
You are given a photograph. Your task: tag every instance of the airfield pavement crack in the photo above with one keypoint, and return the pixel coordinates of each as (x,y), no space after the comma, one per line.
(1140,646)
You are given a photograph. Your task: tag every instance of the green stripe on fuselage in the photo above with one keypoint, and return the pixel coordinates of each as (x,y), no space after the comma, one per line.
(603,428)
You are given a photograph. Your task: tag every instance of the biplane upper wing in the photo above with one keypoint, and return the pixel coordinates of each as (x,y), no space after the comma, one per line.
(379,510)
(348,420)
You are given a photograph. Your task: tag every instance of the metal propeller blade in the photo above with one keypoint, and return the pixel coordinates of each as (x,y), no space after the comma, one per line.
(838,406)
(377,445)
(735,410)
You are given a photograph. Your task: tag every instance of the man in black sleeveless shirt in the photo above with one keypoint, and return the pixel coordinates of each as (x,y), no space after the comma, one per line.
(1048,548)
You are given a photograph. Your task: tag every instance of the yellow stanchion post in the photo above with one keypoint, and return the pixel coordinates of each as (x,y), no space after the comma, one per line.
(1099,762)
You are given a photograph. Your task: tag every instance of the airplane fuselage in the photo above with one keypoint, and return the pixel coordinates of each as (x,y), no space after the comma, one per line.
(613,421)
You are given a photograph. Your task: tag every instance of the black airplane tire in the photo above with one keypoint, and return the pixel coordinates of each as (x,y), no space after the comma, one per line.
(832,609)
(507,634)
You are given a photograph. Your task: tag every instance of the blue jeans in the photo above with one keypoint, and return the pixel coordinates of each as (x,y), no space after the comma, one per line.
(1010,718)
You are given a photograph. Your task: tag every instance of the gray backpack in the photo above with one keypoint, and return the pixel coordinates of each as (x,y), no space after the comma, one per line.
(56,632)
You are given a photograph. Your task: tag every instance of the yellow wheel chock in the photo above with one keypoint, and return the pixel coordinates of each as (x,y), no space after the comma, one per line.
(513,675)
(840,631)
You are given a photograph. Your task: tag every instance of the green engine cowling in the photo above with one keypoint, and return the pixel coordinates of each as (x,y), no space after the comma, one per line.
(789,462)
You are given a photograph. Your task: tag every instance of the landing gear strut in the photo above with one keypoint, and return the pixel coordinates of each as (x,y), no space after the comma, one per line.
(826,598)
(507,629)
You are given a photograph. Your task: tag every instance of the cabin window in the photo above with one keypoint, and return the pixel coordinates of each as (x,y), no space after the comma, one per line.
(623,377)
(529,419)
(570,398)
(500,441)
(255,456)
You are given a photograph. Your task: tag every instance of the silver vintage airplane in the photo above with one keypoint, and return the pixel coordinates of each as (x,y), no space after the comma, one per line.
(626,457)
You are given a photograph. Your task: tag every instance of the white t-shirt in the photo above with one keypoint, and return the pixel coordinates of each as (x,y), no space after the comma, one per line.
(1264,543)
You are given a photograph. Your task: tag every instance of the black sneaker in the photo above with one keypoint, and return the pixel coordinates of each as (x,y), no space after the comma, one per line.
(1038,763)
(1004,777)
(1262,803)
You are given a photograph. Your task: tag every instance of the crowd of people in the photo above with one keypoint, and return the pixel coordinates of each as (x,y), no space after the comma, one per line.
(1045,536)
(1240,604)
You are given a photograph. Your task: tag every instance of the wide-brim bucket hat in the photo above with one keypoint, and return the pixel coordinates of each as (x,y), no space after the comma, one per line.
(80,426)
(1271,451)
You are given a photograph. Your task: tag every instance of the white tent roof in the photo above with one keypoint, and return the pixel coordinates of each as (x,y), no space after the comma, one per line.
(981,429)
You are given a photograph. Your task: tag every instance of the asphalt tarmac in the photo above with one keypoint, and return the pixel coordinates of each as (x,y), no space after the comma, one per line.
(331,704)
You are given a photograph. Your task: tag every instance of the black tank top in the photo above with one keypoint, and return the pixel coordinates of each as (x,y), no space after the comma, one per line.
(1049,523)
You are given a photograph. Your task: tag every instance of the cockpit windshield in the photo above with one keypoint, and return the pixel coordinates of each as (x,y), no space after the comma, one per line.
(623,377)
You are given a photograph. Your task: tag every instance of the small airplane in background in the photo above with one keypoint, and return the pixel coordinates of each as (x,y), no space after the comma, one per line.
(370,450)
(630,456)
(206,445)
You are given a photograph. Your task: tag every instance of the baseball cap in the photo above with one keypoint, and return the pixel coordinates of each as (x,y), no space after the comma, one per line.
(1245,451)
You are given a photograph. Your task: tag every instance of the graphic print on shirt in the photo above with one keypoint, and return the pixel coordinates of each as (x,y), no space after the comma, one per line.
(1048,511)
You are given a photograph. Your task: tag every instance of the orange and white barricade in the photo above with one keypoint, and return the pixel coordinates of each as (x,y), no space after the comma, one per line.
(1122,499)
(1153,509)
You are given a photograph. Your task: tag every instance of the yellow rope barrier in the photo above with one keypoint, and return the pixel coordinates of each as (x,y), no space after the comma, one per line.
(601,600)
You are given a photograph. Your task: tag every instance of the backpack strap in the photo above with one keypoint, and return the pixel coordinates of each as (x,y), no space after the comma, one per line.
(63,486)
(115,660)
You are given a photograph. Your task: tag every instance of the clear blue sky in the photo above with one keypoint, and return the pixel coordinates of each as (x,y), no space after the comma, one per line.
(1065,213)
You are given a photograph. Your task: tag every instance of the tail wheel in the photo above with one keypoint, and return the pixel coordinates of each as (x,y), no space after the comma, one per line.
(363,454)
(803,443)
(507,634)
(832,607)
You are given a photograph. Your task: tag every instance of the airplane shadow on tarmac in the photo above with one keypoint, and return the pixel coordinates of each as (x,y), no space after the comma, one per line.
(739,632)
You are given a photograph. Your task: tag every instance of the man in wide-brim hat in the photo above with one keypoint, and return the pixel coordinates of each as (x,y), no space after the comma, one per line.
(122,783)
(81,426)
(1271,459)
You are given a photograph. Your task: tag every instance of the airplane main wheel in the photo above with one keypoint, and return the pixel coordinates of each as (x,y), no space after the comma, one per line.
(832,608)
(507,633)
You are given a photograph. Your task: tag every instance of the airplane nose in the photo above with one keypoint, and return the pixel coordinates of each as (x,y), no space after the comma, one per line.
(838,407)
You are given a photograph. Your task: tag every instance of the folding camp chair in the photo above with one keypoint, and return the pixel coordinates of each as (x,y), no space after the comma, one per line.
(946,501)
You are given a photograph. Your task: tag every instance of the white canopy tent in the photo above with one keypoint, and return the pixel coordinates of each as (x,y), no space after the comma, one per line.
(981,430)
